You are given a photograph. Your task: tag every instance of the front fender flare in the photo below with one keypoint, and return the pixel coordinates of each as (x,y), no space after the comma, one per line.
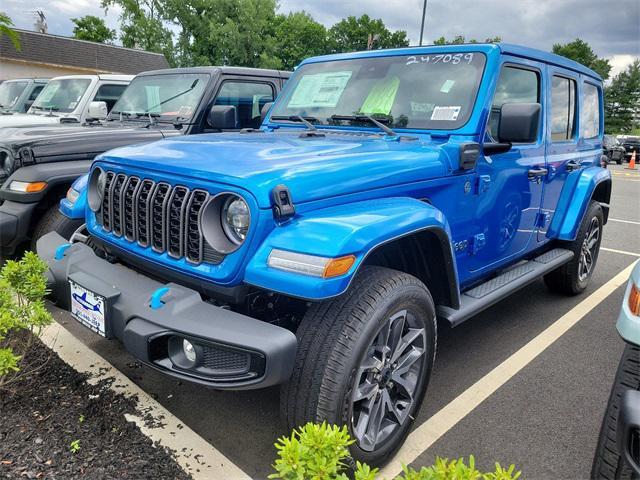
(574,199)
(351,229)
(75,210)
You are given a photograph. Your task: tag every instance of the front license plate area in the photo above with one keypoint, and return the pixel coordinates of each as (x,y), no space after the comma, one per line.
(88,308)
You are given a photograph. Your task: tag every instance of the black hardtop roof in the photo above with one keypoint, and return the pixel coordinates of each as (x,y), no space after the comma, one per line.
(263,72)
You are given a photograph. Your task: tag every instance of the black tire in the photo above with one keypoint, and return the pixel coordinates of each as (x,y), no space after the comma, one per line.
(607,462)
(54,221)
(333,339)
(567,279)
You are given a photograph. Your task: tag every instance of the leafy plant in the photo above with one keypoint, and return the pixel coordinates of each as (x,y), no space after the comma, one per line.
(22,314)
(321,452)
(74,446)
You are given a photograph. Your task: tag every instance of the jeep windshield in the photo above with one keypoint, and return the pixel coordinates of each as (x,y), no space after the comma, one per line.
(10,92)
(168,97)
(430,91)
(62,96)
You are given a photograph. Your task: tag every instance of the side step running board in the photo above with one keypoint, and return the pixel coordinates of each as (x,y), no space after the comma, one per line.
(492,291)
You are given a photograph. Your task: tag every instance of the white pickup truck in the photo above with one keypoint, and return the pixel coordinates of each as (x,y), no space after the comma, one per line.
(71,99)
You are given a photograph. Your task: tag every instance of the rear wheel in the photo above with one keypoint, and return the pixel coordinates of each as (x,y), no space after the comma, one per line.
(608,464)
(364,360)
(573,277)
(54,221)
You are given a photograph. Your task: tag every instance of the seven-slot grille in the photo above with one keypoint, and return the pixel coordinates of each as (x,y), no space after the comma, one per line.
(156,215)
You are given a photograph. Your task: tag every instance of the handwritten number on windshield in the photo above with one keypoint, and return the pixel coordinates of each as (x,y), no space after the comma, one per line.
(454,59)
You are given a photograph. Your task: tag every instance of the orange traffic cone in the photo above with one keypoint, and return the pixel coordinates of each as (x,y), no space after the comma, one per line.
(632,162)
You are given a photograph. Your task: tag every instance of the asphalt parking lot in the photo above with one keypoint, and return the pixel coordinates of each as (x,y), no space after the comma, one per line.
(545,418)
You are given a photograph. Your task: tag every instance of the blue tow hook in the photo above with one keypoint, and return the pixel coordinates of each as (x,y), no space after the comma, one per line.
(156,297)
(60,251)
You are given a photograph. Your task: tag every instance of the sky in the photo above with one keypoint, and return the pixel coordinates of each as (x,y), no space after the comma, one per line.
(611,27)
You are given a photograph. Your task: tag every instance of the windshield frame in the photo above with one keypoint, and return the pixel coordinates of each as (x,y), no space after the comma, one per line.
(289,88)
(36,108)
(114,114)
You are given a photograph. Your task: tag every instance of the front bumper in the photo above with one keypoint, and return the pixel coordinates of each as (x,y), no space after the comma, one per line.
(148,333)
(15,219)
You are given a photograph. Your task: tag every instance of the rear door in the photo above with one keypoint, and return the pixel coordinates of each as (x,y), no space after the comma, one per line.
(563,156)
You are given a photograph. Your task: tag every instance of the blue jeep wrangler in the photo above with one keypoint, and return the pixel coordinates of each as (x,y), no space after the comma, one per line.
(385,190)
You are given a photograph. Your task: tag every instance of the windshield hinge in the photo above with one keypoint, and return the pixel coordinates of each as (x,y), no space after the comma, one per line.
(283,207)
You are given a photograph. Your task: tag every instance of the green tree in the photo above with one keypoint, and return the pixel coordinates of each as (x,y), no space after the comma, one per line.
(581,52)
(93,29)
(298,36)
(5,29)
(352,34)
(459,40)
(142,26)
(225,32)
(622,100)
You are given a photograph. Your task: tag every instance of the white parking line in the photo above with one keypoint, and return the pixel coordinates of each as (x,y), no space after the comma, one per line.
(193,453)
(623,221)
(623,252)
(440,423)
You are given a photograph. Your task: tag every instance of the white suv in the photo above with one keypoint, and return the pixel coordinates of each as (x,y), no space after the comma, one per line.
(71,99)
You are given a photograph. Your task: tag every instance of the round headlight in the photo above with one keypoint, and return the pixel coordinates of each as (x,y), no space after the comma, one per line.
(235,219)
(225,221)
(96,188)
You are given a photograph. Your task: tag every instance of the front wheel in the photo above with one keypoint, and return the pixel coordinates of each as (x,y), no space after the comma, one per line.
(54,221)
(364,360)
(573,277)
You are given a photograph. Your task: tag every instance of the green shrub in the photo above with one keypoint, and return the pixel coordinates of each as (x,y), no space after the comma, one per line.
(321,452)
(23,314)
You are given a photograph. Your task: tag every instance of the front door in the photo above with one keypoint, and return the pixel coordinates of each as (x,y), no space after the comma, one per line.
(511,183)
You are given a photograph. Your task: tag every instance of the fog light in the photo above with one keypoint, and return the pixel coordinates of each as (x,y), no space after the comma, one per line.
(189,351)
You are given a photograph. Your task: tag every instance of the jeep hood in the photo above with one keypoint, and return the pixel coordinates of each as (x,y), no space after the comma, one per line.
(59,142)
(312,168)
(27,119)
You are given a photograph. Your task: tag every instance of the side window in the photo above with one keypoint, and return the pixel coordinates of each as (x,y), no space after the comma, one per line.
(563,107)
(590,112)
(248,98)
(35,92)
(515,85)
(109,94)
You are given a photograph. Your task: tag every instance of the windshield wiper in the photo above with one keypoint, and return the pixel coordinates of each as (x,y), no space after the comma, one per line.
(367,118)
(312,131)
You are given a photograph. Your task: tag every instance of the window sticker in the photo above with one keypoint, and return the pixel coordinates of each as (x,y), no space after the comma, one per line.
(185,111)
(72,105)
(381,97)
(447,86)
(153,98)
(447,114)
(319,90)
(48,93)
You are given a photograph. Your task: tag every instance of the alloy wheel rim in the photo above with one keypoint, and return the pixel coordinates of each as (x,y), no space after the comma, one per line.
(387,379)
(589,250)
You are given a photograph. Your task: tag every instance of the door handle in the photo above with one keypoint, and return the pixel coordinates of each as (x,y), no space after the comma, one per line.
(535,174)
(573,165)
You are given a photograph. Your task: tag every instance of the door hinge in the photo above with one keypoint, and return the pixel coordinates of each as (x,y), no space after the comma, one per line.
(542,219)
(483,183)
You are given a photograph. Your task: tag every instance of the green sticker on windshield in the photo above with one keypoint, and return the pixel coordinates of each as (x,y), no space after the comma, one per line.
(319,90)
(381,97)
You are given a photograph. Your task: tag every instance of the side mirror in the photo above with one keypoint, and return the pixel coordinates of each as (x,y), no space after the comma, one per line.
(223,117)
(98,110)
(519,122)
(265,110)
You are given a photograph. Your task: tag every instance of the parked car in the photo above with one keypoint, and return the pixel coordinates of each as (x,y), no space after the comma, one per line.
(618,451)
(612,149)
(385,189)
(631,144)
(17,96)
(40,163)
(71,99)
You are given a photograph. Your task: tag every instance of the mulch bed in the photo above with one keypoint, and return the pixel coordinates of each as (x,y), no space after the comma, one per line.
(49,409)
